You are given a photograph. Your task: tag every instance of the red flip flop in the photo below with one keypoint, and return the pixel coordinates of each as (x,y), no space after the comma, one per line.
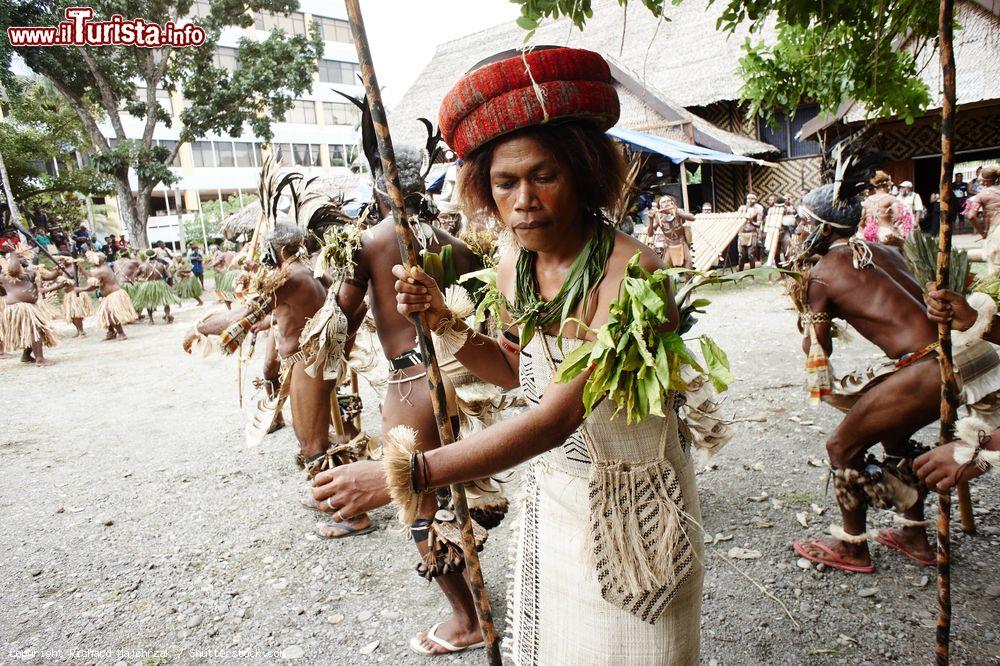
(886,539)
(835,560)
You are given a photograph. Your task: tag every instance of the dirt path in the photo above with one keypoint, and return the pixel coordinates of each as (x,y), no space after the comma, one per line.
(208,558)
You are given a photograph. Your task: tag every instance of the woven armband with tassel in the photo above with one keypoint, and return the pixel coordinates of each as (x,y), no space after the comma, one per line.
(451,332)
(974,433)
(986,309)
(398,448)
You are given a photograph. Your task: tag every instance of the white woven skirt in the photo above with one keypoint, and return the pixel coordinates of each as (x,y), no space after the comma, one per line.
(556,614)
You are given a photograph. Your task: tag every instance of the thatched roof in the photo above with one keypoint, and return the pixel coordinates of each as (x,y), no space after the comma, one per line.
(242,221)
(977,65)
(684,60)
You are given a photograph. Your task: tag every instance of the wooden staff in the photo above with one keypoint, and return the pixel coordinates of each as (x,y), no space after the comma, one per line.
(949,387)
(407,250)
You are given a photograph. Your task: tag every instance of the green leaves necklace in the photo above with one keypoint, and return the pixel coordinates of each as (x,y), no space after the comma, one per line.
(531,313)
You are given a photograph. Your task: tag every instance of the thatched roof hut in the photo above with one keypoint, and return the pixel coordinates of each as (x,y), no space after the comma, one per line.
(660,68)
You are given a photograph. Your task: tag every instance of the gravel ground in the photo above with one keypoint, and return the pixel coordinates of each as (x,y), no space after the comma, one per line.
(138,529)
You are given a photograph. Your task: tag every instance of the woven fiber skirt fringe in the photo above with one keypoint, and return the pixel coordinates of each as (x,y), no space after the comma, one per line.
(77,306)
(224,287)
(189,287)
(116,309)
(153,294)
(22,324)
(556,613)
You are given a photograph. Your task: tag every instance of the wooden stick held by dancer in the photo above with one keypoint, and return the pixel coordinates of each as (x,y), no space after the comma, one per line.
(407,249)
(949,387)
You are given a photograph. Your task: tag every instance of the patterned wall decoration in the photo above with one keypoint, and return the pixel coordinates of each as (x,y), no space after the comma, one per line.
(972,131)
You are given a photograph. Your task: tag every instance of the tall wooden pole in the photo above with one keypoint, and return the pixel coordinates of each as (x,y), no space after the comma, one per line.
(949,388)
(407,250)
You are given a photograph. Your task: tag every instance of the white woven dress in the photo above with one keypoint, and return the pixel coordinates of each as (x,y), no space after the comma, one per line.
(568,603)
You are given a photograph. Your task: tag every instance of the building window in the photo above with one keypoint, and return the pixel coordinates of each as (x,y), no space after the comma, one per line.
(335,30)
(201,154)
(337,156)
(314,158)
(163,97)
(341,113)
(259,155)
(293,24)
(303,111)
(224,149)
(169,145)
(336,71)
(244,154)
(782,135)
(225,58)
(300,154)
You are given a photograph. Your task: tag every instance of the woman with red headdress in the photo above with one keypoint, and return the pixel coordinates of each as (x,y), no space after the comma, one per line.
(608,563)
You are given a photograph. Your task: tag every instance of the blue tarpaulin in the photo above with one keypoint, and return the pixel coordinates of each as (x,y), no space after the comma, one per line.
(676,151)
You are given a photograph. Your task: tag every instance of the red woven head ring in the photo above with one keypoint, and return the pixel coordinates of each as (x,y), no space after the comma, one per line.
(527,89)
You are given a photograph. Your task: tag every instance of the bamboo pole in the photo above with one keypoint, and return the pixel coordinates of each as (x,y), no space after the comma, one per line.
(949,388)
(407,250)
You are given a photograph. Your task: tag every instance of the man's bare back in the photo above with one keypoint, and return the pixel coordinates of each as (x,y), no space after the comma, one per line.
(109,281)
(878,301)
(379,253)
(298,299)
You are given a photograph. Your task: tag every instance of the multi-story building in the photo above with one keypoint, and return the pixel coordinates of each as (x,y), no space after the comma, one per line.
(317,135)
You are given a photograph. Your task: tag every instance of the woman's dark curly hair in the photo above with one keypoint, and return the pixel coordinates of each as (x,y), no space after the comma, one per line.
(594,162)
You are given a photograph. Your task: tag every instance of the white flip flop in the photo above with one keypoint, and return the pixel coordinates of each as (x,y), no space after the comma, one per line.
(417,646)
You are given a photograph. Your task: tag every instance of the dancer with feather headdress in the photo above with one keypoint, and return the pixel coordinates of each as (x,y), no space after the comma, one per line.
(870,286)
(308,329)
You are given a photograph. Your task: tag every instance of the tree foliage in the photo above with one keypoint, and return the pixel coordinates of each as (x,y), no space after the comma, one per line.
(100,84)
(40,132)
(827,51)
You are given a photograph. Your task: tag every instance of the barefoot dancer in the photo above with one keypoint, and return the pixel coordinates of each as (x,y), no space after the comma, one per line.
(309,333)
(115,309)
(24,323)
(869,286)
(152,290)
(547,182)
(186,283)
(76,306)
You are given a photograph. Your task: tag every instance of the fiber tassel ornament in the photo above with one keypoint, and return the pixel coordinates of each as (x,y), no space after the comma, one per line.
(398,446)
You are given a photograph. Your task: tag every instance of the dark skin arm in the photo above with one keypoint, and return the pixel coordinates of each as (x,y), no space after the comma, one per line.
(946,306)
(819,301)
(937,468)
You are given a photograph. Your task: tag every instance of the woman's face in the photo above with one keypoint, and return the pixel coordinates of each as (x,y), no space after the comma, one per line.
(533,193)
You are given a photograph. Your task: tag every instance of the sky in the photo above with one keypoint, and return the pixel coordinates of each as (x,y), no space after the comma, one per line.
(404,33)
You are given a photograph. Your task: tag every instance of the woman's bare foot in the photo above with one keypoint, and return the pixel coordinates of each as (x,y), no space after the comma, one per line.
(4,354)
(454,630)
(26,356)
(44,361)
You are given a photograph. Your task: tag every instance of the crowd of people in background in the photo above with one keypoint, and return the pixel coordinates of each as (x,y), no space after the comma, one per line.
(893,211)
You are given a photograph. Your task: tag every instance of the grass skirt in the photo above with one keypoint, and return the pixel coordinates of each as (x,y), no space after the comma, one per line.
(224,288)
(116,309)
(153,294)
(129,288)
(21,324)
(77,306)
(189,287)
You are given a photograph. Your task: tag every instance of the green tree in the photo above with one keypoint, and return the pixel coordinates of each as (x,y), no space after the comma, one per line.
(40,138)
(100,84)
(828,51)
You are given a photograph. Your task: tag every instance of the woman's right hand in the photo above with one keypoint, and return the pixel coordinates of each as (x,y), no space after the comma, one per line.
(417,292)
